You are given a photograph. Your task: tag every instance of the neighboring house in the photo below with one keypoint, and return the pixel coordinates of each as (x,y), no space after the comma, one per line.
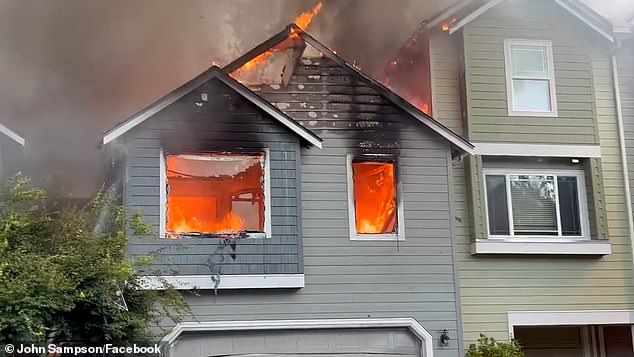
(11,153)
(542,224)
(316,203)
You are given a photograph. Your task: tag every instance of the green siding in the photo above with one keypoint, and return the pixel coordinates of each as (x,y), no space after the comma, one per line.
(486,78)
(490,286)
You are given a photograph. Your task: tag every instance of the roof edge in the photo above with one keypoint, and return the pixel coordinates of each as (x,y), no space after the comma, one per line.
(12,135)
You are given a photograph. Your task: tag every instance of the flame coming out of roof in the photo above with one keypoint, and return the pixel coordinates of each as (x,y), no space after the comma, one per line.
(408,73)
(302,21)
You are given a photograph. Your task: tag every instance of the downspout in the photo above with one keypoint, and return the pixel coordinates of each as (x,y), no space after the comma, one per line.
(619,121)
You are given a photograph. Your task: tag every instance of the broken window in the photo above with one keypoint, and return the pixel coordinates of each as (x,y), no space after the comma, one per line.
(214,194)
(374,197)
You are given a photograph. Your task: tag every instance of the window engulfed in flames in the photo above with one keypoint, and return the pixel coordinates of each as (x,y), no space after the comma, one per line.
(215,194)
(374,197)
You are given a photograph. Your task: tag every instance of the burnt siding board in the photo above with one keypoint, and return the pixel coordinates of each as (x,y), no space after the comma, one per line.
(359,279)
(225,122)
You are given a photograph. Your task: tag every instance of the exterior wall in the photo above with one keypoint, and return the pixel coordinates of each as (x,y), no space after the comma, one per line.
(490,286)
(226,122)
(486,78)
(359,279)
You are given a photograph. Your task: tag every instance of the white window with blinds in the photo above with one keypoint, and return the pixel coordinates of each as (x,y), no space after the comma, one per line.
(530,78)
(536,204)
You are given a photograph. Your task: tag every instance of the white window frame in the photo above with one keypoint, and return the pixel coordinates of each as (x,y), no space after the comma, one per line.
(400,217)
(553,112)
(163,193)
(581,196)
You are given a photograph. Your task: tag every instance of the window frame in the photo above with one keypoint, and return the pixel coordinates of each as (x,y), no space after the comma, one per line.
(581,196)
(267,189)
(400,218)
(553,112)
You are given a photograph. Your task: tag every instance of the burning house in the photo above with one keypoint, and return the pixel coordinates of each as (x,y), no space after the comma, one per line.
(309,206)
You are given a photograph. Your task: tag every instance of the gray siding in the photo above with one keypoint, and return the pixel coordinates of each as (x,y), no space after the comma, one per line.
(358,279)
(226,122)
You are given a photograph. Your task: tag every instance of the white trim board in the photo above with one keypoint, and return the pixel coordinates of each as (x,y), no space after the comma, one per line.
(569,318)
(251,281)
(543,150)
(513,246)
(12,134)
(267,325)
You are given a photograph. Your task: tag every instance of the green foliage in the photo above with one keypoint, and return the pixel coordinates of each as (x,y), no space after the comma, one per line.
(62,273)
(488,347)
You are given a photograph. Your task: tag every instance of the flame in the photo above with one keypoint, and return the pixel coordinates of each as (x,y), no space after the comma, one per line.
(408,74)
(302,21)
(305,18)
(374,197)
(212,194)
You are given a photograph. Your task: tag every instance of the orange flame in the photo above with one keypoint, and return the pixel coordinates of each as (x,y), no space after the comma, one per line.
(302,21)
(214,195)
(305,18)
(374,197)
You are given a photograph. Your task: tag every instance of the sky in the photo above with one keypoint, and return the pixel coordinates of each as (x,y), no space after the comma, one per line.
(72,69)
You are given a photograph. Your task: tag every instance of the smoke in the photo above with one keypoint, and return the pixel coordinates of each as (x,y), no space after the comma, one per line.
(72,69)
(613,9)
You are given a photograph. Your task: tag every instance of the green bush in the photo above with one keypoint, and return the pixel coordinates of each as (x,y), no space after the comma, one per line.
(488,347)
(64,274)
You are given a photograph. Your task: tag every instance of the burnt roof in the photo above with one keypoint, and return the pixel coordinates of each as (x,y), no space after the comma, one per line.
(292,29)
(213,72)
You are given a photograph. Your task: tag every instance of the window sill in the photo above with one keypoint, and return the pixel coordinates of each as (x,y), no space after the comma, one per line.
(533,114)
(204,282)
(378,237)
(499,246)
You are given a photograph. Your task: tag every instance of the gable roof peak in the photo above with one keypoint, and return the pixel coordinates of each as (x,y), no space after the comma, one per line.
(293,30)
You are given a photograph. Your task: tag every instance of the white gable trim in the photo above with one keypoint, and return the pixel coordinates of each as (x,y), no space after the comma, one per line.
(482,9)
(574,318)
(585,20)
(267,325)
(11,134)
(214,72)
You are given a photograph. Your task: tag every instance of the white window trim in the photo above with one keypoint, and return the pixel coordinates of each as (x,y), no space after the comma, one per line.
(163,194)
(581,194)
(551,78)
(427,350)
(205,282)
(400,233)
